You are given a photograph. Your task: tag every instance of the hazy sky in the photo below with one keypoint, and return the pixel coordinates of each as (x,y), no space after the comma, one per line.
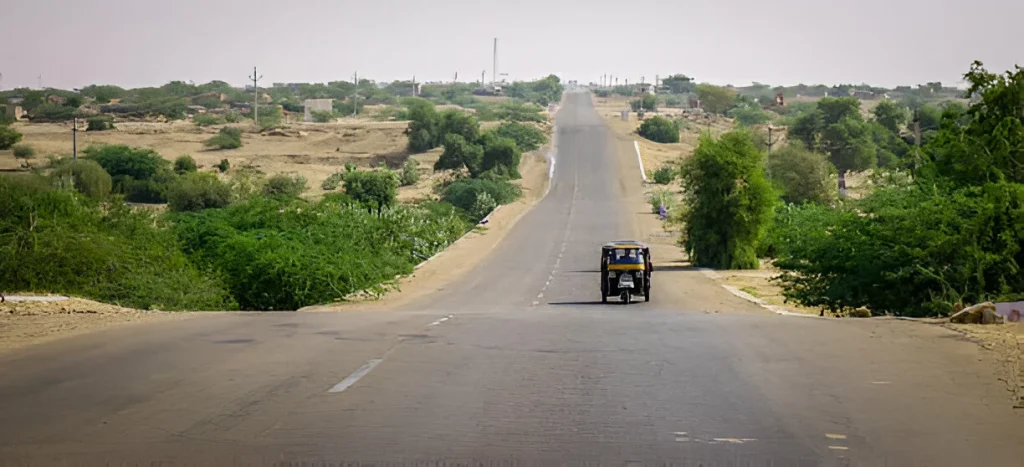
(73,43)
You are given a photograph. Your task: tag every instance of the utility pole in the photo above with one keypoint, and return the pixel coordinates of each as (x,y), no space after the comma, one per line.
(494,77)
(355,94)
(483,78)
(74,140)
(456,79)
(771,142)
(917,143)
(256,97)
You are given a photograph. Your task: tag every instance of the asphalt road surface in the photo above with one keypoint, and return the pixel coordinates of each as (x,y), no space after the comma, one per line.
(518,365)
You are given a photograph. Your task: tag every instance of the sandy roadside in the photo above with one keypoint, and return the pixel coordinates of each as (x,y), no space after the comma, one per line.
(29,323)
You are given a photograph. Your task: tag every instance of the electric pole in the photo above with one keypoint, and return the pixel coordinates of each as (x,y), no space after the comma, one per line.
(256,98)
(917,143)
(771,142)
(355,94)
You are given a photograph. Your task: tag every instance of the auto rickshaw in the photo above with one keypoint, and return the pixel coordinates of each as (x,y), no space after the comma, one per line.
(625,270)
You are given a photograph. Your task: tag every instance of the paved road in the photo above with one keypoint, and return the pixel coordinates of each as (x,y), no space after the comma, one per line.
(526,369)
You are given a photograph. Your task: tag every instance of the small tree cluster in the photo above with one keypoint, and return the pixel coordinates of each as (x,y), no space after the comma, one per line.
(660,130)
(101,123)
(374,189)
(196,191)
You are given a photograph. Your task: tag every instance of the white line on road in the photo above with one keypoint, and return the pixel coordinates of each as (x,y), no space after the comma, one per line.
(355,376)
(435,323)
(643,173)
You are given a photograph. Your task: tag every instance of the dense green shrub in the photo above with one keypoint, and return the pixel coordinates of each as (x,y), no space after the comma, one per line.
(802,176)
(729,202)
(482,206)
(23,151)
(322,116)
(661,197)
(513,111)
(424,122)
(8,137)
(285,185)
(454,122)
(101,123)
(144,191)
(227,138)
(333,181)
(463,193)
(270,116)
(206,119)
(85,176)
(410,174)
(223,166)
(749,115)
(196,191)
(283,254)
(660,130)
(140,174)
(501,155)
(185,164)
(647,102)
(374,189)
(60,242)
(664,175)
(459,153)
(527,137)
(52,112)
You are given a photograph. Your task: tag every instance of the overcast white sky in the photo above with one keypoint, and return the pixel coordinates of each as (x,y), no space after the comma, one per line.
(73,43)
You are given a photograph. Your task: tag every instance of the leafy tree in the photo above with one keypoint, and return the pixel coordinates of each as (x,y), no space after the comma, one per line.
(8,137)
(802,176)
(103,93)
(729,202)
(679,84)
(849,145)
(459,153)
(527,137)
(660,130)
(223,166)
(374,189)
(891,116)
(289,186)
(196,191)
(185,164)
(322,116)
(121,160)
(85,176)
(501,156)
(424,123)
(459,123)
(466,193)
(226,138)
(270,116)
(52,112)
(715,99)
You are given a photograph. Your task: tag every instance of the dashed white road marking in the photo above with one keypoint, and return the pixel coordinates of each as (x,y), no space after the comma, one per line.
(356,375)
(435,323)
(880,382)
(839,448)
(834,436)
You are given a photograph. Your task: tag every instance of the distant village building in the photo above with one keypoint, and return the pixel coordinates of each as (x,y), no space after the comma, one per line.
(314,105)
(644,88)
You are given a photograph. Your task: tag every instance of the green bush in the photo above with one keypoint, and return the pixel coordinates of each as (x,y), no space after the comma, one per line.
(322,116)
(227,138)
(285,185)
(660,130)
(661,197)
(513,111)
(185,164)
(85,176)
(233,116)
(143,191)
(102,123)
(500,156)
(333,181)
(802,176)
(729,202)
(374,189)
(750,115)
(270,116)
(458,123)
(109,253)
(527,137)
(410,172)
(283,254)
(120,160)
(463,194)
(51,112)
(8,137)
(482,206)
(224,166)
(196,191)
(648,103)
(23,151)
(424,122)
(207,119)
(664,175)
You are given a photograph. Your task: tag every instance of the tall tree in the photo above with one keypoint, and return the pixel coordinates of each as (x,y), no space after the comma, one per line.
(715,99)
